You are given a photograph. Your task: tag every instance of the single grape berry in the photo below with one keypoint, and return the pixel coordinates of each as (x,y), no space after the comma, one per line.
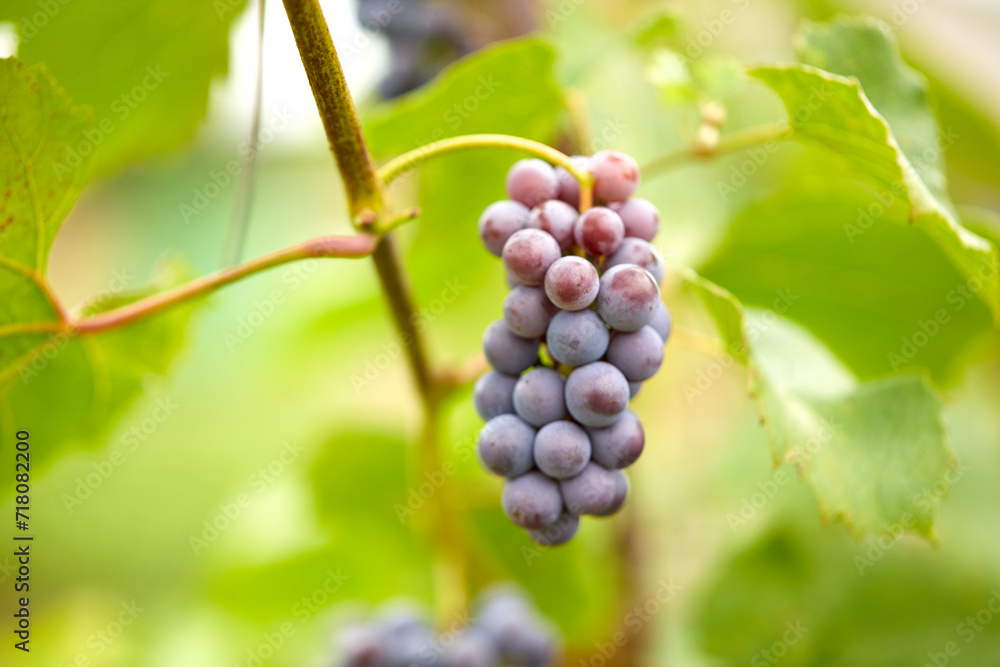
(539,396)
(528,254)
(557,218)
(505,446)
(592,491)
(494,394)
(472,648)
(618,445)
(532,500)
(599,231)
(621,492)
(596,394)
(569,187)
(499,221)
(637,354)
(628,298)
(528,311)
(638,252)
(571,283)
(506,351)
(661,322)
(616,175)
(562,449)
(558,532)
(532,181)
(641,218)
(577,337)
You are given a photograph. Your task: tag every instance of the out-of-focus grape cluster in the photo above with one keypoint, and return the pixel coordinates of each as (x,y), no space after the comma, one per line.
(505,630)
(583,327)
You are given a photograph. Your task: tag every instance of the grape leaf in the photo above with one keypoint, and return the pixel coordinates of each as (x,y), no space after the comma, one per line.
(883,302)
(54,383)
(147,70)
(834,111)
(866,449)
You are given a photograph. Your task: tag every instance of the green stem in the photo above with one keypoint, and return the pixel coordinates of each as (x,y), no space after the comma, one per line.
(398,166)
(360,245)
(336,108)
(730,143)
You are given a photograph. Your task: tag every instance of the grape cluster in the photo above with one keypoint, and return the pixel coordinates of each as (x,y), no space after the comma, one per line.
(583,326)
(507,630)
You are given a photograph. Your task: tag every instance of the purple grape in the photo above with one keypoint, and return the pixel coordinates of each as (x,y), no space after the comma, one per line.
(618,445)
(559,532)
(527,311)
(506,351)
(592,491)
(531,182)
(637,354)
(628,297)
(361,645)
(539,396)
(530,646)
(661,322)
(641,218)
(596,394)
(494,394)
(577,337)
(638,252)
(572,283)
(532,500)
(472,648)
(621,492)
(499,221)
(599,231)
(558,219)
(633,389)
(505,446)
(569,187)
(616,175)
(528,254)
(562,449)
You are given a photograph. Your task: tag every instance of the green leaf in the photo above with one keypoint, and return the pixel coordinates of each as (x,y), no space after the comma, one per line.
(58,385)
(144,66)
(834,111)
(866,449)
(883,298)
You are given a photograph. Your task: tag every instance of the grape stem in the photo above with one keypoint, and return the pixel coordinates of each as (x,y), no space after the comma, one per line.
(358,245)
(731,143)
(398,166)
(365,187)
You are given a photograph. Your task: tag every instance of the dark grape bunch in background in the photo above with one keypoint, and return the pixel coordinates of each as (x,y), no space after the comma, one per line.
(583,327)
(506,630)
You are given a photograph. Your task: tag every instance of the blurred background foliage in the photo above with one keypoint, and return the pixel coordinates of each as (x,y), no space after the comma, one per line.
(290,391)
